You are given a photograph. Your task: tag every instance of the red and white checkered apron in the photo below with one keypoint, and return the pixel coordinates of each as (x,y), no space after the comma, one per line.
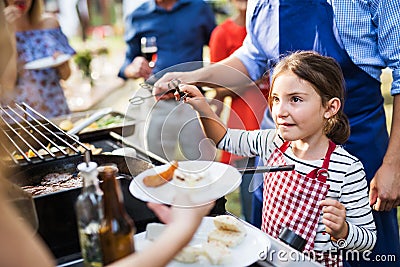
(292,200)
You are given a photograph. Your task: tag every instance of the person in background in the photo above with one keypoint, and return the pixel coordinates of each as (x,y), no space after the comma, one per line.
(307,92)
(362,51)
(181,28)
(38,35)
(8,58)
(247,107)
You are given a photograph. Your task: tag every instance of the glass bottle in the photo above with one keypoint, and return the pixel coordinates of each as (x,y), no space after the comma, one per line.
(89,211)
(117,228)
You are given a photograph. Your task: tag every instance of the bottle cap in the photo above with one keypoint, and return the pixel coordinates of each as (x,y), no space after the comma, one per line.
(87,167)
(292,239)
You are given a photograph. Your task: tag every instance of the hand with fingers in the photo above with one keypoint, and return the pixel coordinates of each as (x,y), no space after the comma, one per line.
(138,68)
(334,219)
(164,83)
(12,13)
(384,193)
(190,94)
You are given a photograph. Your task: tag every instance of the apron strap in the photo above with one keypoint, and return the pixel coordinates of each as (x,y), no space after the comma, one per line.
(320,173)
(284,146)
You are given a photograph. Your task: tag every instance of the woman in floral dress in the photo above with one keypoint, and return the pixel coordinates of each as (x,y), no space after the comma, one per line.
(38,35)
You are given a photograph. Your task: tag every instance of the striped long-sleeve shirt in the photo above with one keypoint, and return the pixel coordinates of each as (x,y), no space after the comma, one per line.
(347,182)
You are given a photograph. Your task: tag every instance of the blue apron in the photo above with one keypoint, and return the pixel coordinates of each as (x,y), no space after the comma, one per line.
(307,25)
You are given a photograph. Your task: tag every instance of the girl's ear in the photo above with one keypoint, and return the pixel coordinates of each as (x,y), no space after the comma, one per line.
(332,107)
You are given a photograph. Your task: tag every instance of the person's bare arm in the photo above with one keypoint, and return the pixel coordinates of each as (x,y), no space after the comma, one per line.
(385,186)
(8,53)
(229,73)
(19,246)
(64,71)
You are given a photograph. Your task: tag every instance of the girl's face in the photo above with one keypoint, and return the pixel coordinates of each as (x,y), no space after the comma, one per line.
(297,108)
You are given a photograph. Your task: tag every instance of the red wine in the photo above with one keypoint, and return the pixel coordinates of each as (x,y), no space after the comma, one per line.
(149,52)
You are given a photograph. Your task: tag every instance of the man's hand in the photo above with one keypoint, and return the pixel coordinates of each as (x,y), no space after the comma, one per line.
(139,68)
(384,193)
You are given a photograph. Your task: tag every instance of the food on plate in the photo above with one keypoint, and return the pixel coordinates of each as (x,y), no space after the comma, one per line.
(229,223)
(217,253)
(154,230)
(229,231)
(189,254)
(217,249)
(228,238)
(188,179)
(162,177)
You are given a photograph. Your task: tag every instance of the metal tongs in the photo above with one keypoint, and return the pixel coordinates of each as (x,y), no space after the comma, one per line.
(262,169)
(173,87)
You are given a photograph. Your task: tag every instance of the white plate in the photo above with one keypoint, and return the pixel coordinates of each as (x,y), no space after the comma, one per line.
(256,243)
(220,179)
(47,62)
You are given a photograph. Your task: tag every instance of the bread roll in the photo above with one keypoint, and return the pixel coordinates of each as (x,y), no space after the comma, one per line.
(228,238)
(154,230)
(229,223)
(217,253)
(189,254)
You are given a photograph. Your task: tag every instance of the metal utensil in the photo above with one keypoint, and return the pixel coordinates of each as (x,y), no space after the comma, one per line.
(262,169)
(173,87)
(141,150)
(137,100)
(258,169)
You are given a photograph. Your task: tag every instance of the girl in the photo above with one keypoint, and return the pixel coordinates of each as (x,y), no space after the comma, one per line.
(38,35)
(325,199)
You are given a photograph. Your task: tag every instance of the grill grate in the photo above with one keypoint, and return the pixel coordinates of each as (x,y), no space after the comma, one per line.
(28,137)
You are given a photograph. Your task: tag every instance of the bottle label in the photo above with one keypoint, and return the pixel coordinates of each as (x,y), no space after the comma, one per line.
(90,245)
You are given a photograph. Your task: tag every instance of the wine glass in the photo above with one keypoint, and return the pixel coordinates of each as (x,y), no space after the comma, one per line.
(149,49)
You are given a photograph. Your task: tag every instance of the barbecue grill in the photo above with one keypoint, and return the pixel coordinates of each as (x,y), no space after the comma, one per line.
(25,132)
(28,137)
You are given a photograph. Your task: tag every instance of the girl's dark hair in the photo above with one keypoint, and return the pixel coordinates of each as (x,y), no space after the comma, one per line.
(326,77)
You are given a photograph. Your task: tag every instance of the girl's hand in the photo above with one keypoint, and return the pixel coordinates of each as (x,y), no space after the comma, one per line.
(193,96)
(334,218)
